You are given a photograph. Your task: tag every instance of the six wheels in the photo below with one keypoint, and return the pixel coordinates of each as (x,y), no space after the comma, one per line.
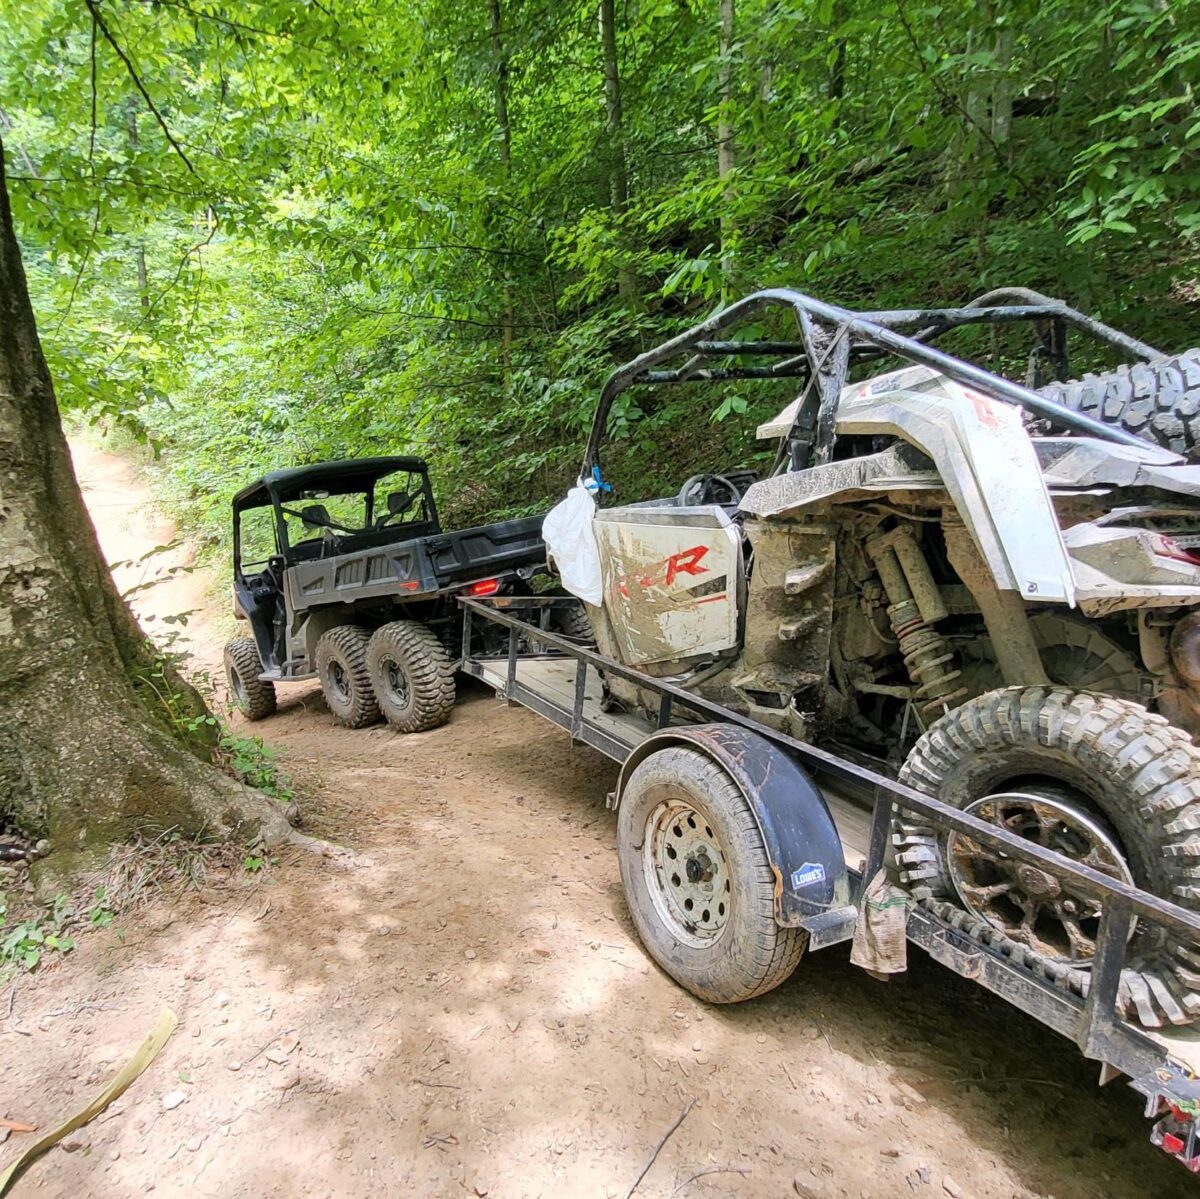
(412,676)
(697,879)
(345,681)
(252,696)
(1096,778)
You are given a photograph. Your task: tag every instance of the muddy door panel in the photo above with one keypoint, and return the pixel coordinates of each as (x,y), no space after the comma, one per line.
(671,580)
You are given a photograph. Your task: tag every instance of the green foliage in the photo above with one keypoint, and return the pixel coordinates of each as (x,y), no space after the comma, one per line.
(101,913)
(346,251)
(256,764)
(26,943)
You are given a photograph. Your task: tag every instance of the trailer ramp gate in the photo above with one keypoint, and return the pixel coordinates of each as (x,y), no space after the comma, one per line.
(561,681)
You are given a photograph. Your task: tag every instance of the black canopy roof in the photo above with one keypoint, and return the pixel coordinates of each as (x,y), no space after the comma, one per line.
(348,475)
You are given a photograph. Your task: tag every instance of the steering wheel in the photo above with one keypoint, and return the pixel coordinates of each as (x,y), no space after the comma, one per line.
(699,489)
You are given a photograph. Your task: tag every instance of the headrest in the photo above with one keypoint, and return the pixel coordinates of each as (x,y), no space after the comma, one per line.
(315,516)
(398,502)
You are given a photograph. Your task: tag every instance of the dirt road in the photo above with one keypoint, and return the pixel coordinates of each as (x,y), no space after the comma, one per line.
(471,1014)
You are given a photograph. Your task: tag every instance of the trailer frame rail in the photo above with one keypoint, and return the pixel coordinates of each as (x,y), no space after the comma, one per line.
(1162,1066)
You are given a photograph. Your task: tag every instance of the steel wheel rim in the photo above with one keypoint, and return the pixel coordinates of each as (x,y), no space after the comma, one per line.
(238,687)
(686,873)
(1028,904)
(395,680)
(339,681)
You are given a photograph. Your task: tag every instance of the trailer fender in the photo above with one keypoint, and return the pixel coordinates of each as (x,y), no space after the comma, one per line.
(812,889)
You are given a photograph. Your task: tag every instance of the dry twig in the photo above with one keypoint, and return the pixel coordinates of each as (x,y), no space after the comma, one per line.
(666,1136)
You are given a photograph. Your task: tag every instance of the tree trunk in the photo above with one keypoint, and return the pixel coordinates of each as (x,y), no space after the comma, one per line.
(614,136)
(837,64)
(500,64)
(84,759)
(725,135)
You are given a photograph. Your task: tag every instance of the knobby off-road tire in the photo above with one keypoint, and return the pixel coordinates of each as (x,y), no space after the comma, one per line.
(1159,401)
(252,696)
(342,669)
(573,622)
(1141,775)
(412,675)
(748,954)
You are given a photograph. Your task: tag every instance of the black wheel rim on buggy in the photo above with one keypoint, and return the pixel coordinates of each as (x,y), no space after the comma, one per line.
(1029,904)
(238,688)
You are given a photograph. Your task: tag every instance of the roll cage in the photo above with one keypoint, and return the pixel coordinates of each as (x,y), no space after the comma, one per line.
(832,340)
(281,488)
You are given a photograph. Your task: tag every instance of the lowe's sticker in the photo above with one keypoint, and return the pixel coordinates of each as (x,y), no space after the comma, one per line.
(807,875)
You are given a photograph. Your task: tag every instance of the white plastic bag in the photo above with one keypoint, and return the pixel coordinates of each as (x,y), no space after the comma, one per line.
(571,540)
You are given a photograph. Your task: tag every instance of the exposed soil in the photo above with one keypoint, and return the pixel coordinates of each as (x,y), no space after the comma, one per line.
(467,1010)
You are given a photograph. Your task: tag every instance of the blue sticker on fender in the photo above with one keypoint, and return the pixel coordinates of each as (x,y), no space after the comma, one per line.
(807,875)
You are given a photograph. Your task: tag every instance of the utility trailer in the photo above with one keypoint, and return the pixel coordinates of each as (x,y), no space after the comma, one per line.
(823,823)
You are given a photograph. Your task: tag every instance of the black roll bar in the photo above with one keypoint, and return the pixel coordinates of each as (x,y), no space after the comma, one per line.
(834,338)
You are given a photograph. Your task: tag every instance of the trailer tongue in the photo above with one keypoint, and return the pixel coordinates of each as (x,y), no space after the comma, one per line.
(822,823)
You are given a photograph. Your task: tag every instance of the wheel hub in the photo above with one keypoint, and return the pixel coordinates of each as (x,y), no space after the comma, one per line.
(1037,883)
(397,681)
(686,873)
(1030,904)
(341,684)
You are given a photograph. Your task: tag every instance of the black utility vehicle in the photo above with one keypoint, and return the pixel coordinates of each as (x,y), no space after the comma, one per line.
(345,573)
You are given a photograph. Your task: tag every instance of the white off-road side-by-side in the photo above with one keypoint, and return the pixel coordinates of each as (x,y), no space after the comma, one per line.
(1000,611)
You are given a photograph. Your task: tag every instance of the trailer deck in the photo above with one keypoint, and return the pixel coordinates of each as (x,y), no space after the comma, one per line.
(559,680)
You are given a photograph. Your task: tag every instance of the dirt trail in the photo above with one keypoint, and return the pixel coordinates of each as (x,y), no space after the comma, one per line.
(471,1014)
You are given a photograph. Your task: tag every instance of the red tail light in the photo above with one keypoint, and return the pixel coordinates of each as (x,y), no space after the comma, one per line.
(484,587)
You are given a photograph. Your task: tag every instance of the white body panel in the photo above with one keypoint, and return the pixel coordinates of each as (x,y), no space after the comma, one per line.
(671,578)
(986,461)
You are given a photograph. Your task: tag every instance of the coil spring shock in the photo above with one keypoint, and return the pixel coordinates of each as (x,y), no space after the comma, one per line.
(914,604)
(928,660)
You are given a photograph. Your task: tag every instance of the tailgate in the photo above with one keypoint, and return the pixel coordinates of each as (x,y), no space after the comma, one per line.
(487,550)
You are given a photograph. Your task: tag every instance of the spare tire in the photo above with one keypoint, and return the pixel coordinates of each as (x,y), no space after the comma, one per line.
(1158,401)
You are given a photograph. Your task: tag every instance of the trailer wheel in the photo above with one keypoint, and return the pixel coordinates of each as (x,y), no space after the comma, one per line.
(252,696)
(342,669)
(698,881)
(412,675)
(1094,777)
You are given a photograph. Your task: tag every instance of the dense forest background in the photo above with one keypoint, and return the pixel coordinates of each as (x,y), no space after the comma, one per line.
(262,232)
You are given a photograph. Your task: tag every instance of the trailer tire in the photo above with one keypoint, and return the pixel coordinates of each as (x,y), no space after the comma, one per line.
(734,950)
(342,668)
(412,676)
(1131,776)
(252,696)
(1158,401)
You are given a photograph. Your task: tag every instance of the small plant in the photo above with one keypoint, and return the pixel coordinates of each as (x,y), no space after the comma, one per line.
(25,944)
(255,764)
(253,863)
(100,914)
